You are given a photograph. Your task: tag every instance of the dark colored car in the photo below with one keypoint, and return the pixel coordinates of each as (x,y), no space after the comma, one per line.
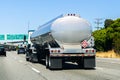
(21,50)
(2,50)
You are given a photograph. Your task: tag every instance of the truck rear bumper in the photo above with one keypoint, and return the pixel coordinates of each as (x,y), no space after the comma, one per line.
(71,55)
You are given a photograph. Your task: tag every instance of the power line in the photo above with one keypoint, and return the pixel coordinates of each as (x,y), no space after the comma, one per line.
(98,22)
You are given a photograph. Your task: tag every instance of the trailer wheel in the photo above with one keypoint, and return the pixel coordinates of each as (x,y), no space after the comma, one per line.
(47,61)
(5,54)
(27,59)
(31,58)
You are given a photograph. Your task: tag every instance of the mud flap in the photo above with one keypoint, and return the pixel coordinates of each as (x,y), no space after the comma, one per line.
(89,62)
(55,63)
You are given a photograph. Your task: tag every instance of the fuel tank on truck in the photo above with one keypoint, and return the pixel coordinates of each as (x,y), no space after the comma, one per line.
(71,29)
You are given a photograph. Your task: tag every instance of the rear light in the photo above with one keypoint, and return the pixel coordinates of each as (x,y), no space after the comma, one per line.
(93,51)
(51,51)
(90,51)
(55,51)
(86,51)
(58,51)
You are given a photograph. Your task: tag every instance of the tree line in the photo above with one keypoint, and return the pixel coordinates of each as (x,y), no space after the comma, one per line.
(108,38)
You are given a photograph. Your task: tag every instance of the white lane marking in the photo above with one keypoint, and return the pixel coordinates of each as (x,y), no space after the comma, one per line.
(108,62)
(115,62)
(35,70)
(116,59)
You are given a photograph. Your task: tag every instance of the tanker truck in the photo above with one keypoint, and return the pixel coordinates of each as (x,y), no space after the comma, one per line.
(66,38)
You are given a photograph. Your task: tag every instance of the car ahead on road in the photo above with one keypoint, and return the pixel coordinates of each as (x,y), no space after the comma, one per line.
(21,50)
(2,50)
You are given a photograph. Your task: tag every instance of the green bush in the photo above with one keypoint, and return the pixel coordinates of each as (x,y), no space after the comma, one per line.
(109,37)
(117,46)
(100,40)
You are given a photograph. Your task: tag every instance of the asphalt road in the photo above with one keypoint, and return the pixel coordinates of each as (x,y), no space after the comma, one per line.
(14,67)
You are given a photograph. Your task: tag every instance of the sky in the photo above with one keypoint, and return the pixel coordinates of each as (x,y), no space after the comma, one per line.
(15,15)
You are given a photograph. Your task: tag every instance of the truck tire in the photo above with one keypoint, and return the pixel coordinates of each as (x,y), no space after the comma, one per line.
(47,61)
(27,59)
(31,59)
(5,54)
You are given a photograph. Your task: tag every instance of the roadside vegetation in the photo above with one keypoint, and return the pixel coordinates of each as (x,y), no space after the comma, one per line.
(108,38)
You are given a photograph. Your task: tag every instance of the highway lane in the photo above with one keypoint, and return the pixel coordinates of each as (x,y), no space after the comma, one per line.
(14,67)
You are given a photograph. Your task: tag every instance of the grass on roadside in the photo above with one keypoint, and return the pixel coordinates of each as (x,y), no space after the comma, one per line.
(109,54)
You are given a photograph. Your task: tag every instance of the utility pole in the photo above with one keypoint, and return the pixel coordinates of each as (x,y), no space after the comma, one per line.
(98,23)
(28,25)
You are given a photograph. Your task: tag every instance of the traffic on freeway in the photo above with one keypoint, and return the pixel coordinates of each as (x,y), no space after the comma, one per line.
(59,40)
(15,67)
(53,52)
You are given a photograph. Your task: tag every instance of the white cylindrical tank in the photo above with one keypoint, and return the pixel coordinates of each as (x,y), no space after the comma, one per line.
(71,29)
